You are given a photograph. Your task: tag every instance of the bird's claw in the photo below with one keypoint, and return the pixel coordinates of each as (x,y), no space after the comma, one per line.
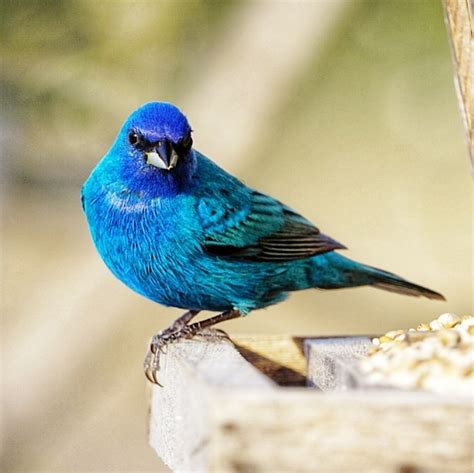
(150,373)
(158,346)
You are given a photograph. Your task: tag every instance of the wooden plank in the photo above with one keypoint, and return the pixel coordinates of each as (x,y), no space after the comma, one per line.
(298,430)
(459,23)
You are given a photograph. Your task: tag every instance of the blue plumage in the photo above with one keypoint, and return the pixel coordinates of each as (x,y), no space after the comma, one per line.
(178,229)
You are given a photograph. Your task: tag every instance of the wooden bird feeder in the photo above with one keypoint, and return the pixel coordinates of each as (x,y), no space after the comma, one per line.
(282,404)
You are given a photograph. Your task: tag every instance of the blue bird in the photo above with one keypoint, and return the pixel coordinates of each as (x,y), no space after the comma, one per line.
(179,230)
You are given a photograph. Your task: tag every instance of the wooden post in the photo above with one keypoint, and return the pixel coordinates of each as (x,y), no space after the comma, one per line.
(241,407)
(459,22)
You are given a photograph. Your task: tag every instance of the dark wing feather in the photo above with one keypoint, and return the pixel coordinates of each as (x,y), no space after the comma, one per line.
(268,231)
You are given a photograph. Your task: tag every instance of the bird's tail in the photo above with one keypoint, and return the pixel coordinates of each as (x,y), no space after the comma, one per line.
(393,283)
(351,274)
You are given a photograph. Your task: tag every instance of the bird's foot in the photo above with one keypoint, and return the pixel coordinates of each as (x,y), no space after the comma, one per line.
(181,330)
(178,330)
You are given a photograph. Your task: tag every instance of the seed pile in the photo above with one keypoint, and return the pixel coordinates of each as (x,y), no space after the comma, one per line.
(437,357)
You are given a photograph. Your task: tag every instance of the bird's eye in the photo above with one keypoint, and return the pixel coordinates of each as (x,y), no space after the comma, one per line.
(134,138)
(187,143)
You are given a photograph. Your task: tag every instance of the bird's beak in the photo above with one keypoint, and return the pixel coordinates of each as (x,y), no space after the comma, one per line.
(162,156)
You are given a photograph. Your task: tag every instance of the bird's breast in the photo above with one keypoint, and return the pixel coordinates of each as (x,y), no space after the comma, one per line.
(147,243)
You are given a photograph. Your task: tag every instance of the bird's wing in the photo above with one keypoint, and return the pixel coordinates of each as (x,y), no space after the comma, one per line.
(254,226)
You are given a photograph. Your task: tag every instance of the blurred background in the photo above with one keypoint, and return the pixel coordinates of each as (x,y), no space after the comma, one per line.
(345,110)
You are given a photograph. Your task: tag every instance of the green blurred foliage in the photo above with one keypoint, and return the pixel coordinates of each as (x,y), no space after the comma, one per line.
(69,68)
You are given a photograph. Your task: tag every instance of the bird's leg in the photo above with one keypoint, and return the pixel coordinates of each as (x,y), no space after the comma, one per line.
(216,319)
(180,322)
(179,330)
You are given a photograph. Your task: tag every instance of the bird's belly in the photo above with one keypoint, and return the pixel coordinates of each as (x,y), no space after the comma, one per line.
(175,275)
(167,275)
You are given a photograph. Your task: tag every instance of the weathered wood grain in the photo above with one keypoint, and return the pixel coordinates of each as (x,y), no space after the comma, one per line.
(297,430)
(181,411)
(459,22)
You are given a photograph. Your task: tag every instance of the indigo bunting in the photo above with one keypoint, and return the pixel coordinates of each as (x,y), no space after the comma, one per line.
(179,230)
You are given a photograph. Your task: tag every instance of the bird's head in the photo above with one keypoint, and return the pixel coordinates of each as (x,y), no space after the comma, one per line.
(157,134)
(152,153)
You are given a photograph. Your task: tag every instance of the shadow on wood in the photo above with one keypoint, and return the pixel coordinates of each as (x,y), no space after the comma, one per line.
(279,357)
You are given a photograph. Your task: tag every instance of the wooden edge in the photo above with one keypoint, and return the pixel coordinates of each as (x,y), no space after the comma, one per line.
(332,362)
(458,19)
